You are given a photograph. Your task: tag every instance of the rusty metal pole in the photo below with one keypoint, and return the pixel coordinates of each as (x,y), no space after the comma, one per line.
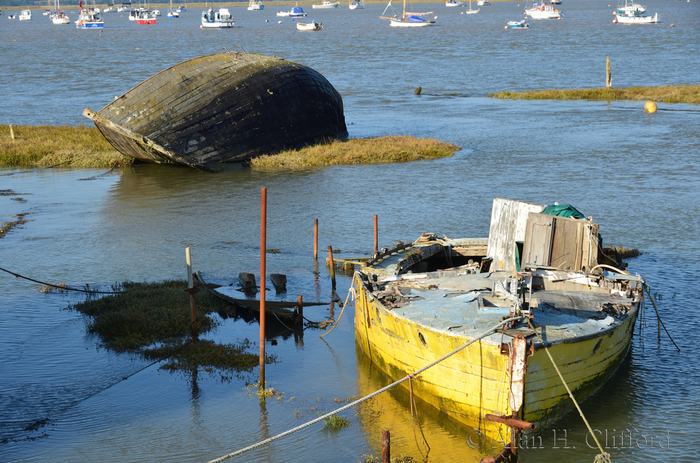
(376,235)
(332,266)
(263,256)
(191,291)
(386,447)
(315,239)
(300,304)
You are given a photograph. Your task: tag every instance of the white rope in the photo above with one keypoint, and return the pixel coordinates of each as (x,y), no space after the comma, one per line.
(377,392)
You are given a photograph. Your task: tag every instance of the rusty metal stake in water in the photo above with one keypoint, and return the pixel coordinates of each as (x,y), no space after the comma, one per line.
(332,266)
(386,447)
(315,239)
(376,235)
(300,304)
(263,256)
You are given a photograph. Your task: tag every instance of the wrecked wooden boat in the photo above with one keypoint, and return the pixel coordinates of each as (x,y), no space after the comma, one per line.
(214,111)
(424,300)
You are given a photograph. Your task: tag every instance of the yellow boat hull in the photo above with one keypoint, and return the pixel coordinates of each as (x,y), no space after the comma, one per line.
(476,381)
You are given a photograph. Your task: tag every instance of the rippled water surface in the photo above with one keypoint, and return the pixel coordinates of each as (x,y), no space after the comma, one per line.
(64,398)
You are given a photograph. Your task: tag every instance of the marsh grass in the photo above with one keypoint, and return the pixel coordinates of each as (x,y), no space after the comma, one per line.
(336,422)
(389,149)
(47,145)
(689,94)
(154,320)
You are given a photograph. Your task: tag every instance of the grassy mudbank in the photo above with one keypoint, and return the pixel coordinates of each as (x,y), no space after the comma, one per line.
(379,150)
(689,94)
(154,320)
(47,145)
(85,147)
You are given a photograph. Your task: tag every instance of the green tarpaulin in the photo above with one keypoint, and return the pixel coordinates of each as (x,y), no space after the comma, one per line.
(563,210)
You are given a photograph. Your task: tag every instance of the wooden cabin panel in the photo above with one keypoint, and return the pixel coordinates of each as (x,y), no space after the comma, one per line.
(508,224)
(566,244)
(537,248)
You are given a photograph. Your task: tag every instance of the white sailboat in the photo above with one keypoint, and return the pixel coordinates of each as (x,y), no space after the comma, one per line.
(58,16)
(408,19)
(357,5)
(470,11)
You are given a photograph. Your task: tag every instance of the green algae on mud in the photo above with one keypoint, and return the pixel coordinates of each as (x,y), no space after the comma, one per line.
(154,320)
(689,94)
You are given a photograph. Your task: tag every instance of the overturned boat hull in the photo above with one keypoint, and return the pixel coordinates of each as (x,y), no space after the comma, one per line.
(213,111)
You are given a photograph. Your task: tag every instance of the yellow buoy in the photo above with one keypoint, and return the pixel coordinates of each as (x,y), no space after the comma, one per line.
(650,107)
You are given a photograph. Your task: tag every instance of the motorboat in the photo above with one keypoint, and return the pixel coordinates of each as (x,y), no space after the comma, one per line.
(295,12)
(220,18)
(636,19)
(312,26)
(543,11)
(326,5)
(522,24)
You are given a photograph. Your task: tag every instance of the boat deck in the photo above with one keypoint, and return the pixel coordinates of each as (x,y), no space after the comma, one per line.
(466,305)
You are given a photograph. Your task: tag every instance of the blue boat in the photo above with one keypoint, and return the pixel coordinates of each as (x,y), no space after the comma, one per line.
(522,24)
(88,19)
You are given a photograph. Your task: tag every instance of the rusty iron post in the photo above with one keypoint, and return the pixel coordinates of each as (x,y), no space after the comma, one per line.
(315,239)
(376,235)
(332,266)
(386,447)
(300,304)
(191,290)
(263,256)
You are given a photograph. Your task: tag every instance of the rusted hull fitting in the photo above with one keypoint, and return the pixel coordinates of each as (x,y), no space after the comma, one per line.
(212,111)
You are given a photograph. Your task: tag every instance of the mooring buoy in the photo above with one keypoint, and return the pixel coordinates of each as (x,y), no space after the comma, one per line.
(650,107)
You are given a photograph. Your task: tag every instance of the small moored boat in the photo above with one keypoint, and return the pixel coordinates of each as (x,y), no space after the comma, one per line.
(220,18)
(357,5)
(326,5)
(255,5)
(312,26)
(25,15)
(213,112)
(543,11)
(488,312)
(636,19)
(522,24)
(295,12)
(89,19)
(453,3)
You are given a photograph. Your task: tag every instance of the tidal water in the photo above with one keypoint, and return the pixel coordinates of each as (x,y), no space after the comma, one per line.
(65,398)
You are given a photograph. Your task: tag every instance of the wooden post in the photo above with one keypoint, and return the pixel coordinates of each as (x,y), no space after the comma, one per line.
(376,235)
(263,256)
(332,266)
(300,304)
(315,239)
(608,74)
(386,447)
(191,291)
(12,133)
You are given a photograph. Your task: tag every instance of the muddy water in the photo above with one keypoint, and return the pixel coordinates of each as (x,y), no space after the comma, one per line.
(64,398)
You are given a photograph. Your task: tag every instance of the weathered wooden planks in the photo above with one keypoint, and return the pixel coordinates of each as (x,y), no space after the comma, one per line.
(214,110)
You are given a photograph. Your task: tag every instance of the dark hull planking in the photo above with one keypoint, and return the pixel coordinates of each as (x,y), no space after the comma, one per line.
(212,111)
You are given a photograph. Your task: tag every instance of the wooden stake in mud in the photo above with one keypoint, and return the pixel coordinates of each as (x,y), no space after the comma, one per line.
(12,133)
(376,235)
(263,255)
(608,74)
(315,239)
(191,290)
(300,304)
(331,264)
(386,447)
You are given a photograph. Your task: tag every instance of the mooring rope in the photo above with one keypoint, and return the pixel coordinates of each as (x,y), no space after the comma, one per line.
(603,457)
(646,287)
(350,291)
(369,396)
(65,288)
(412,399)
